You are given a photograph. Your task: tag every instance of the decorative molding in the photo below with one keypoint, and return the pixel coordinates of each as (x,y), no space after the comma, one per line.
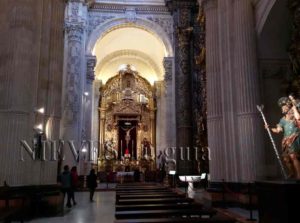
(130,14)
(74,31)
(165,23)
(140,9)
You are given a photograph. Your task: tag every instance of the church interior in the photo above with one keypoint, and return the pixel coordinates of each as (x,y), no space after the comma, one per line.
(149,111)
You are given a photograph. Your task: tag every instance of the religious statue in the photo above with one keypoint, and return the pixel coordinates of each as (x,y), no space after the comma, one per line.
(146,148)
(110,151)
(127,136)
(289,124)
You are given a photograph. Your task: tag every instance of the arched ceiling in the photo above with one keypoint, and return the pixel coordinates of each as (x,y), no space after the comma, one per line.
(275,36)
(129,45)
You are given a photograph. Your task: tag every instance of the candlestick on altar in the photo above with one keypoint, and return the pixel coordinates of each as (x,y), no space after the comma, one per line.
(121,150)
(132,148)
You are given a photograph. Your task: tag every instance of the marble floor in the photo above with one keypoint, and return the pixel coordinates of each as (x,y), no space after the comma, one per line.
(101,210)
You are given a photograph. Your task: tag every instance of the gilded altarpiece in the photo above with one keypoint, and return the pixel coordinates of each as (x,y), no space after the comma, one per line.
(127,123)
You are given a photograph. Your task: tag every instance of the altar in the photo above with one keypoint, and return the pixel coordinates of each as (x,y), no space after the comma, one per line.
(128,175)
(127,123)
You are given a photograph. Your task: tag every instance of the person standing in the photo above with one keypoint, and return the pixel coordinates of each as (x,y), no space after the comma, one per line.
(65,179)
(74,183)
(289,124)
(92,183)
(162,165)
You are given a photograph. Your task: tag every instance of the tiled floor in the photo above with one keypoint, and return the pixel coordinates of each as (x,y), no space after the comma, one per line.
(101,210)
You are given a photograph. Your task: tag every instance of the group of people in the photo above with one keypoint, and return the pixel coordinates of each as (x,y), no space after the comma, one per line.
(69,183)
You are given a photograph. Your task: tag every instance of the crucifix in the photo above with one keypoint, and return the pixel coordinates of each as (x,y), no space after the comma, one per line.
(127,136)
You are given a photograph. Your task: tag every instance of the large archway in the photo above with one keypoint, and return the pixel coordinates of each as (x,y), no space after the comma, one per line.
(144,46)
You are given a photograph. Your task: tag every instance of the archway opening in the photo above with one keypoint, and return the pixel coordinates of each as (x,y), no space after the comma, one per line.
(140,53)
(129,45)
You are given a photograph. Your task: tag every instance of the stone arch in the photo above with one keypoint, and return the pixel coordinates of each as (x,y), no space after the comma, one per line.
(142,56)
(149,26)
(262,11)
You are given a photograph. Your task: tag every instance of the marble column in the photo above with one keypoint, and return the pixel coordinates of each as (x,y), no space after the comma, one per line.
(234,126)
(249,124)
(215,124)
(74,76)
(31,52)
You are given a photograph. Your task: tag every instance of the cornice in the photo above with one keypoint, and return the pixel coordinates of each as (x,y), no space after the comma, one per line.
(140,9)
(177,4)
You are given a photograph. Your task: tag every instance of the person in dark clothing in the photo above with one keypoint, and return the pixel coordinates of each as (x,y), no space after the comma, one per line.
(74,183)
(92,183)
(65,179)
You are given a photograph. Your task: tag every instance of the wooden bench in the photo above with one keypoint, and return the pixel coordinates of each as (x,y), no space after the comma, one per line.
(154,201)
(142,188)
(200,213)
(215,219)
(136,207)
(26,202)
(12,205)
(145,196)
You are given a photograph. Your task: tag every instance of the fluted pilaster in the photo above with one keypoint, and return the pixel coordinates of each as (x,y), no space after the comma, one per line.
(247,88)
(30,73)
(215,124)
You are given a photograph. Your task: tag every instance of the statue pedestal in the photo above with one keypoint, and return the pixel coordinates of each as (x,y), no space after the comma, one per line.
(278,201)
(190,180)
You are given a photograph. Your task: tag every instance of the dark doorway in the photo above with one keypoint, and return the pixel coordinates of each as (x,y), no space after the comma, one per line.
(127,138)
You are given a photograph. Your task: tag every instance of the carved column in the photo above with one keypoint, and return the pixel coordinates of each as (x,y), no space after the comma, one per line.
(169,104)
(249,126)
(88,111)
(74,78)
(182,15)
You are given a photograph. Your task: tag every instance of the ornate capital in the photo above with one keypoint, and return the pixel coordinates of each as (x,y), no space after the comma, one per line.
(130,14)
(90,66)
(74,31)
